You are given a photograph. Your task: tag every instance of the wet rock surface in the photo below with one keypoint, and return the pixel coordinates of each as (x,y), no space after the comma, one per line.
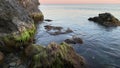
(57,30)
(48,20)
(105,19)
(74,40)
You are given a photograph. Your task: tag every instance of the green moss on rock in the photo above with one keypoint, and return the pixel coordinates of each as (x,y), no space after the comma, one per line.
(55,56)
(19,39)
(37,17)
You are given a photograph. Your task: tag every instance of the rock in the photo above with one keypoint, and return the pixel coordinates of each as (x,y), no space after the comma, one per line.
(57,30)
(48,20)
(74,40)
(16,15)
(12,64)
(49,27)
(31,50)
(57,56)
(37,17)
(105,19)
(68,30)
(17,29)
(70,41)
(1,57)
(78,40)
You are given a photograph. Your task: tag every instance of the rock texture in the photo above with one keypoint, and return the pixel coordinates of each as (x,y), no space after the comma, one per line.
(74,40)
(57,30)
(18,20)
(16,24)
(55,56)
(105,19)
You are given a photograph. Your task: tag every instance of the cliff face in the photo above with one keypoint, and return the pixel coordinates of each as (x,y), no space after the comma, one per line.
(17,29)
(16,20)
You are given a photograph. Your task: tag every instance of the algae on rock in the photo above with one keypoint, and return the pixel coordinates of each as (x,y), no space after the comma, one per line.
(56,56)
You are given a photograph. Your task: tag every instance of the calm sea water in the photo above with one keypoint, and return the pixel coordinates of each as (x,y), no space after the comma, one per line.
(101,47)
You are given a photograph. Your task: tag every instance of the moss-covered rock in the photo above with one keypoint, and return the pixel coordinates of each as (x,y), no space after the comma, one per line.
(54,56)
(17,27)
(37,16)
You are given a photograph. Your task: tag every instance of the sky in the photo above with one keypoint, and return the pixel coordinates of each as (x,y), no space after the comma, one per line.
(78,1)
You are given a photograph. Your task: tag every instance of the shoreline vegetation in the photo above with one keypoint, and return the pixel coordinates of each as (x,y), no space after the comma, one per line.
(18,25)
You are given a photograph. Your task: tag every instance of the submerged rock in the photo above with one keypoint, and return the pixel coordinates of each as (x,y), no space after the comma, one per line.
(56,56)
(105,19)
(49,27)
(57,30)
(48,20)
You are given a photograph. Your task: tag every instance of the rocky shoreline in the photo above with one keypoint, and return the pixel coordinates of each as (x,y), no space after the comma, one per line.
(18,22)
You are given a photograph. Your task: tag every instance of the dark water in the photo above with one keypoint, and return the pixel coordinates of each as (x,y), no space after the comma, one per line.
(101,47)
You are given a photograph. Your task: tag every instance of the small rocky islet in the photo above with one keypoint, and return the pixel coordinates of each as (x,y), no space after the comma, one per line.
(105,19)
(18,25)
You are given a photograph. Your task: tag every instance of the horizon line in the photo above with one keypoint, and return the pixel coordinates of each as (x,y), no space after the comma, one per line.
(74,4)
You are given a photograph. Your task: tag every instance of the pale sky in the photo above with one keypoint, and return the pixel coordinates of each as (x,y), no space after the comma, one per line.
(77,1)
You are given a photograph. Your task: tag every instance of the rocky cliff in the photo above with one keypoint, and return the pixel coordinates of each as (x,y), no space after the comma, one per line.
(18,20)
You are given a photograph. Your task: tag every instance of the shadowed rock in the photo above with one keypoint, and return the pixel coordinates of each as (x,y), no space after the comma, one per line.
(105,19)
(74,40)
(48,20)
(55,56)
(1,57)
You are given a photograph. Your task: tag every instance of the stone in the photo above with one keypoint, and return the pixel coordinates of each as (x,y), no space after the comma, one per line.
(57,56)
(1,57)
(49,27)
(78,40)
(12,64)
(20,25)
(48,20)
(105,19)
(74,40)
(70,41)
(57,30)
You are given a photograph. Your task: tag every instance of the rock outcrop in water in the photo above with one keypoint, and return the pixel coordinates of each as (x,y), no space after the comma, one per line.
(57,30)
(74,40)
(17,29)
(105,19)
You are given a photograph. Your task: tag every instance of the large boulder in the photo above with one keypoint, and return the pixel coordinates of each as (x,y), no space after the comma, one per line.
(105,19)
(16,21)
(54,56)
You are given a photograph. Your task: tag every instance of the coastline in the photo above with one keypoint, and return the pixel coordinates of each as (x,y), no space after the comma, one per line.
(16,46)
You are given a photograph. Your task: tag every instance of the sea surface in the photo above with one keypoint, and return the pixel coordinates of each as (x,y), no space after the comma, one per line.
(101,47)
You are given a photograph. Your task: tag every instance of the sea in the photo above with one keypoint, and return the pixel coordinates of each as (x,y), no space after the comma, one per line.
(101,47)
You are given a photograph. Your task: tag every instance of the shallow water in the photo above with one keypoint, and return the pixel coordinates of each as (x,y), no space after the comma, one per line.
(101,47)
